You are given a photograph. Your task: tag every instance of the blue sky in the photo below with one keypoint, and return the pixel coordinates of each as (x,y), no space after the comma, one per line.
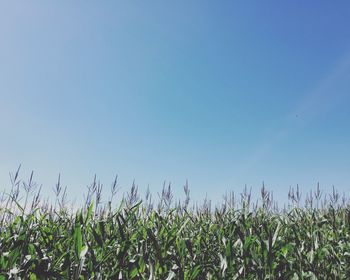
(221,93)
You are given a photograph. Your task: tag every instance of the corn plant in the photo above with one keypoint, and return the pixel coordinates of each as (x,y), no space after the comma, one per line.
(134,239)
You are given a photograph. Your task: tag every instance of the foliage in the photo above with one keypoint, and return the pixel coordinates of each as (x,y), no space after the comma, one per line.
(174,241)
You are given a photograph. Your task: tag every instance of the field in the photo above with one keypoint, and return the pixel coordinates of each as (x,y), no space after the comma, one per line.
(167,239)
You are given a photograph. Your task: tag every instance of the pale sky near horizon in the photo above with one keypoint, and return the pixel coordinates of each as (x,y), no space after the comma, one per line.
(219,93)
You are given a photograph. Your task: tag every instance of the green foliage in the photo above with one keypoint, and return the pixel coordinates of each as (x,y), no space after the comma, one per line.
(136,242)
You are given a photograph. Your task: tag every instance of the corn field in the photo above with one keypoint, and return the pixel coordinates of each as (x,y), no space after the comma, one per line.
(165,239)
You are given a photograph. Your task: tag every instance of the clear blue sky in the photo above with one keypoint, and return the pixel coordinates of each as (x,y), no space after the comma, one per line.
(222,93)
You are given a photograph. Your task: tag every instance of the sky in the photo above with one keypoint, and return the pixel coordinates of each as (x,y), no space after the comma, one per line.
(220,93)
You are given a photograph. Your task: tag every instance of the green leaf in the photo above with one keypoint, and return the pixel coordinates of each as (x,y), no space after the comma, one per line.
(134,273)
(89,213)
(83,252)
(196,271)
(78,240)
